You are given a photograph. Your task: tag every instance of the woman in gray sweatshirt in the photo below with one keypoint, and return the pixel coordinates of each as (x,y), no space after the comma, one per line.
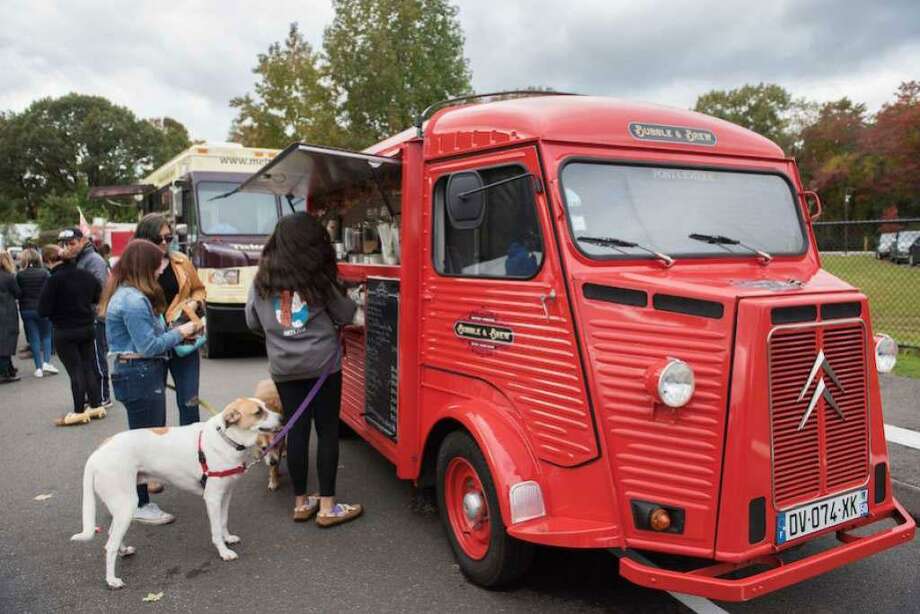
(297,302)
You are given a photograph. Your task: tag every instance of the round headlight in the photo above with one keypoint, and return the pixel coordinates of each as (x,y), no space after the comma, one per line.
(676,383)
(886,353)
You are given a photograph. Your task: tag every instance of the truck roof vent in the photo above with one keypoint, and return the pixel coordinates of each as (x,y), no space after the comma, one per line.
(836,311)
(690,306)
(791,315)
(612,294)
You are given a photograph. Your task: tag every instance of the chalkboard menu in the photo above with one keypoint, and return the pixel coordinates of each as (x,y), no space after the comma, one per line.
(381,364)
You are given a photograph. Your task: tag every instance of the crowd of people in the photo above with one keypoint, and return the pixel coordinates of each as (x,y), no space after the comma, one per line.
(73,305)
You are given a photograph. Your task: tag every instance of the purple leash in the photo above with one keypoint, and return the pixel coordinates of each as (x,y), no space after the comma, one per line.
(327,368)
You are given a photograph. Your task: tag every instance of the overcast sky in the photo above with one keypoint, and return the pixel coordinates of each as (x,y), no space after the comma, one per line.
(187,59)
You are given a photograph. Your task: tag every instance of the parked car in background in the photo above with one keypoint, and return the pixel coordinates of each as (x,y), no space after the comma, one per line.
(885,241)
(900,249)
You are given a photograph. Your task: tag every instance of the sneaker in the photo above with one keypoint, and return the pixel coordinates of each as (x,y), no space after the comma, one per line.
(152,514)
(39,373)
(107,403)
(50,368)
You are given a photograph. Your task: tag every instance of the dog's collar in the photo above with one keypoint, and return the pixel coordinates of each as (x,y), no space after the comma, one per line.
(237,446)
(207,473)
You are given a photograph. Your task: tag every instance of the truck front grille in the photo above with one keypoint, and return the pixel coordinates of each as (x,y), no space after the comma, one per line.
(828,453)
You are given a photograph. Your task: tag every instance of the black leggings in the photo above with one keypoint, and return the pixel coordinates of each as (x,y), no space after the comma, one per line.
(322,411)
(76,347)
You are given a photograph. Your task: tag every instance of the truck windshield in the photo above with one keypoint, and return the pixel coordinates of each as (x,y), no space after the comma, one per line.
(244,213)
(662,206)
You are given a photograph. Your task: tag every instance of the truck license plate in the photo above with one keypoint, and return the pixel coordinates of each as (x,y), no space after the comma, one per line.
(811,517)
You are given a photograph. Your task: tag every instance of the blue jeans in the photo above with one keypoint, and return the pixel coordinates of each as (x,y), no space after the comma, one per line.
(141,387)
(185,373)
(38,333)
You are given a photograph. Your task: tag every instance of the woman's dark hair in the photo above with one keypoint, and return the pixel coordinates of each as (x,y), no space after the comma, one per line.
(298,258)
(137,267)
(149,227)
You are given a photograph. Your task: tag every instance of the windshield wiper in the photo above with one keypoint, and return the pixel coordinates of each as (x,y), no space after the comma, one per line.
(619,243)
(723,240)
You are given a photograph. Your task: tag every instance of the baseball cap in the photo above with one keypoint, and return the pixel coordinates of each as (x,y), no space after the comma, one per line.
(68,234)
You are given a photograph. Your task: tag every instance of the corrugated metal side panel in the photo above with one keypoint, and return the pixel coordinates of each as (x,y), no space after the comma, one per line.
(353,374)
(539,372)
(660,454)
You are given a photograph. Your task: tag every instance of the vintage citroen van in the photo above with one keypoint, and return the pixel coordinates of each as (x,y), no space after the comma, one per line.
(609,328)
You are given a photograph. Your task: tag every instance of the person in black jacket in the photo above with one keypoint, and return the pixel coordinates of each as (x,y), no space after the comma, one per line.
(9,318)
(68,300)
(31,280)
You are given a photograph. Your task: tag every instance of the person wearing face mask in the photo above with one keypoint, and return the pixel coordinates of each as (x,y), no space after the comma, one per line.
(139,343)
(182,289)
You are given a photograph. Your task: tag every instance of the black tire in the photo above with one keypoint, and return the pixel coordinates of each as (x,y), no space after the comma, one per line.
(911,261)
(507,559)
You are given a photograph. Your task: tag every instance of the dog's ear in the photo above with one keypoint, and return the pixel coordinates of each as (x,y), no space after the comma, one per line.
(231,414)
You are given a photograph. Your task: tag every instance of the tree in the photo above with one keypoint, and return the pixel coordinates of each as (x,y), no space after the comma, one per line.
(58,147)
(389,59)
(383,62)
(170,138)
(894,142)
(292,101)
(832,161)
(767,109)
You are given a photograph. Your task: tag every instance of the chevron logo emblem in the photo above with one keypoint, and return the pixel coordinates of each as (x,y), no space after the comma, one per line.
(823,366)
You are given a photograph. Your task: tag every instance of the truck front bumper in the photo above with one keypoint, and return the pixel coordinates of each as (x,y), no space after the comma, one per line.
(706,582)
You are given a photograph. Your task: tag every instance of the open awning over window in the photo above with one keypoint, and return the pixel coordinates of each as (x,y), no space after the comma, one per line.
(120,191)
(308,171)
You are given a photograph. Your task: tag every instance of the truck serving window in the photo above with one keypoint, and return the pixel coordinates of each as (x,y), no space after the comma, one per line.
(508,243)
(659,207)
(243,213)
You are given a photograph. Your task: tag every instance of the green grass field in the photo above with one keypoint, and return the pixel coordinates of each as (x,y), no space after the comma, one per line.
(894,299)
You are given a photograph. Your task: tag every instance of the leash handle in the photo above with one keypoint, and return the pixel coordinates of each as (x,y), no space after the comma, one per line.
(327,368)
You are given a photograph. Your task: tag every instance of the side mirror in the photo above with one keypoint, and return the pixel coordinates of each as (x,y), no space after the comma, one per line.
(466,204)
(810,196)
(176,200)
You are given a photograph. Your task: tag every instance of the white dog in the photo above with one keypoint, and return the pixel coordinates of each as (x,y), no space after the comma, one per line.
(206,458)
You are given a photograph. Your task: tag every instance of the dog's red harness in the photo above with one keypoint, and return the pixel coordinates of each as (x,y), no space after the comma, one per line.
(207,473)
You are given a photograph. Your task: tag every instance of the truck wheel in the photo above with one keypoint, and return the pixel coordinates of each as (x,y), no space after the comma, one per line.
(910,260)
(470,514)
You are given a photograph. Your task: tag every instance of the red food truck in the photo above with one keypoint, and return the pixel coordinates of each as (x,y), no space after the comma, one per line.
(596,324)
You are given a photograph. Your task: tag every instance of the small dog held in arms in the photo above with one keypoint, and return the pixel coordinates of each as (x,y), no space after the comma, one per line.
(206,458)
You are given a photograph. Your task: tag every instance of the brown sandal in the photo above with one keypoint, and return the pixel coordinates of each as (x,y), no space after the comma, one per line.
(342,512)
(302,513)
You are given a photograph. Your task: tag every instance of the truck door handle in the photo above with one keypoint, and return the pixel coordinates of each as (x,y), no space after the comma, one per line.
(547,297)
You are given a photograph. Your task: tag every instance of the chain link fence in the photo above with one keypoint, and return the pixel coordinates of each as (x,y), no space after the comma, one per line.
(881,258)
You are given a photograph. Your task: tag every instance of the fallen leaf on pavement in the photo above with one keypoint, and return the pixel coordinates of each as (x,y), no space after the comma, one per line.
(44,497)
(153,596)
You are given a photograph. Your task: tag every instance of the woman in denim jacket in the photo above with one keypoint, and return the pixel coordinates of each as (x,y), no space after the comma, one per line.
(138,340)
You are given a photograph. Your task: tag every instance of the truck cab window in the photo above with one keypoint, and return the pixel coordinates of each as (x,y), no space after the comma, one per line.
(508,243)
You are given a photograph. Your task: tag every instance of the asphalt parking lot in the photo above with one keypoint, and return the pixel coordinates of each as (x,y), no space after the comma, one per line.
(395,559)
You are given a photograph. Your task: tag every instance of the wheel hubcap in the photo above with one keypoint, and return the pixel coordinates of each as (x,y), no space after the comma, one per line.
(472,506)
